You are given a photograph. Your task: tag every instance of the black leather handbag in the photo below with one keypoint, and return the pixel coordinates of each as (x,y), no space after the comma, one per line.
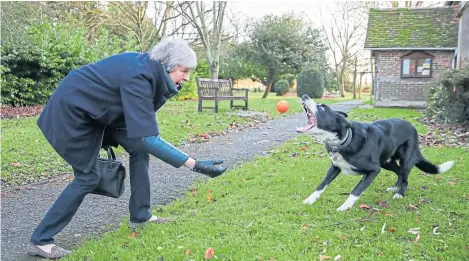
(112,175)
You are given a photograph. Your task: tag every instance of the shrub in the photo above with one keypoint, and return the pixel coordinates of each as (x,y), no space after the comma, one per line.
(310,82)
(31,71)
(281,87)
(290,78)
(449,97)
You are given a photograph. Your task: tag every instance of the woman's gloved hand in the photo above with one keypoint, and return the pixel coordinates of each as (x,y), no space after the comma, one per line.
(209,168)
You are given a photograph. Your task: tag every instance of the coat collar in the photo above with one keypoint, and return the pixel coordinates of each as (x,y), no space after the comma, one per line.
(172,89)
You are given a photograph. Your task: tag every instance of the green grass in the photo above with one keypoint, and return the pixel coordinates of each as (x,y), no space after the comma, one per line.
(28,157)
(256,213)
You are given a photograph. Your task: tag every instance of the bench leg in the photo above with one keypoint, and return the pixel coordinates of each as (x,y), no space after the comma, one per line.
(231,104)
(200,105)
(246,105)
(216,106)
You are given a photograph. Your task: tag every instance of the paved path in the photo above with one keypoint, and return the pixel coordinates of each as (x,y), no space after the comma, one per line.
(22,210)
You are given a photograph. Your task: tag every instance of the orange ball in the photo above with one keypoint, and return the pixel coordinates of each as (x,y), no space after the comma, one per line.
(282,106)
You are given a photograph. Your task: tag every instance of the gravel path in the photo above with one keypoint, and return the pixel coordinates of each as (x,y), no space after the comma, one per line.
(22,210)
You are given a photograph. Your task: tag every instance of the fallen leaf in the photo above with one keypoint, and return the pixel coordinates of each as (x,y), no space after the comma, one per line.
(382,229)
(194,192)
(324,257)
(383,203)
(209,253)
(337,257)
(417,219)
(392,229)
(342,237)
(133,235)
(412,207)
(16,164)
(305,227)
(364,206)
(380,254)
(188,252)
(388,214)
(434,231)
(437,177)
(414,231)
(209,196)
(467,197)
(417,238)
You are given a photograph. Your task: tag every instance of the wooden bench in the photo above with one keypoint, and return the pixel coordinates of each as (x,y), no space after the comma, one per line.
(220,90)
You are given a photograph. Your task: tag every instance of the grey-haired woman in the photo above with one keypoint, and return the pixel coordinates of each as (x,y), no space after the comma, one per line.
(113,102)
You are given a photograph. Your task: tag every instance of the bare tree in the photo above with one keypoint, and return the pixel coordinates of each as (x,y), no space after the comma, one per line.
(146,22)
(207,20)
(345,34)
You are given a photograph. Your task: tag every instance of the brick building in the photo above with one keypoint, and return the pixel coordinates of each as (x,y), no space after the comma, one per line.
(410,47)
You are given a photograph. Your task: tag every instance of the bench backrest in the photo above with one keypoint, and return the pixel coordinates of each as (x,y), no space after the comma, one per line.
(205,87)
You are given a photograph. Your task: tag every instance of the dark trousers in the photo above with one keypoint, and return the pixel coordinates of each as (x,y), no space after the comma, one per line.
(67,204)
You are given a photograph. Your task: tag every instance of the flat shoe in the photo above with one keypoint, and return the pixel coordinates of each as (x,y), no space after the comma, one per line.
(56,252)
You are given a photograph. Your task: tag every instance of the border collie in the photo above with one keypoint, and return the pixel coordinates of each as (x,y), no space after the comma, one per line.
(357,148)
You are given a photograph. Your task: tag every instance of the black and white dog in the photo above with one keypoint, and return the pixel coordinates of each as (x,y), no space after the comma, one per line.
(357,148)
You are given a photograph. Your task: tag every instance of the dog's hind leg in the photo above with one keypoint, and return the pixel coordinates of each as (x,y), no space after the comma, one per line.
(358,190)
(394,167)
(330,176)
(403,177)
(406,163)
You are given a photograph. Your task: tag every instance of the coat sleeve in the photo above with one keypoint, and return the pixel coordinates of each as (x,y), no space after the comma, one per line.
(137,103)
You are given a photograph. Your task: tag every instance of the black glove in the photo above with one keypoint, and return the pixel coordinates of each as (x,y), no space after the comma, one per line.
(208,167)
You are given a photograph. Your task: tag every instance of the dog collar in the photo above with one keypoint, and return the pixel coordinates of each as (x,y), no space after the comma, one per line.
(343,143)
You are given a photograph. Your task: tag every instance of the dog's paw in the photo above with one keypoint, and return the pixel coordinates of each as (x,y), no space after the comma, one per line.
(392,189)
(313,197)
(310,200)
(344,207)
(397,196)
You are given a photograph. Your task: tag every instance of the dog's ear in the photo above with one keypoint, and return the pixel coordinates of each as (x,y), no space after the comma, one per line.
(341,113)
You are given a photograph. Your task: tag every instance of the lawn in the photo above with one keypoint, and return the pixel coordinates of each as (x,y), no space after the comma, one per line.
(255,212)
(27,156)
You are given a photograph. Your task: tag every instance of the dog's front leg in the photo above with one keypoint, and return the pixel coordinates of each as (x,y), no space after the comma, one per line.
(358,190)
(330,176)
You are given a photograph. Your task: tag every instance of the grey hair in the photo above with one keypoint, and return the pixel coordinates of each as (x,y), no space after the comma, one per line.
(173,52)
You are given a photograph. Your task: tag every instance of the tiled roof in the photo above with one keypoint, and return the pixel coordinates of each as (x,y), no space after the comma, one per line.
(412,28)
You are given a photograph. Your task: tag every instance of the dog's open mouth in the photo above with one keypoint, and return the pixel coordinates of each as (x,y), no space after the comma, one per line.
(311,120)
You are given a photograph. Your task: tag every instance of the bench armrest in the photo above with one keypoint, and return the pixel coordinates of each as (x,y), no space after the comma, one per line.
(241,89)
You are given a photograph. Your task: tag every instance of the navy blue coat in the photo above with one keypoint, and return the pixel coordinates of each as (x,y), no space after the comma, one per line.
(123,90)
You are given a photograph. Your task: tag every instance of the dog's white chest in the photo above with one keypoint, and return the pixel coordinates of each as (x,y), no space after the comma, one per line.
(341,163)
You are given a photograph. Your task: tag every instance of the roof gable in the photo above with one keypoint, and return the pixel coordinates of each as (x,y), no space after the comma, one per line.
(412,28)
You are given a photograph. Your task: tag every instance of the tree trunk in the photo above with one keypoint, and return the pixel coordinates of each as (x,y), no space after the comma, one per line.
(360,87)
(214,68)
(341,81)
(268,88)
(355,79)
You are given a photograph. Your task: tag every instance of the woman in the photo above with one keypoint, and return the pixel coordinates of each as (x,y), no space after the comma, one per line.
(113,102)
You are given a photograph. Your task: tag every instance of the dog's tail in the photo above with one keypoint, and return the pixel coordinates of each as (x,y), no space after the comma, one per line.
(430,168)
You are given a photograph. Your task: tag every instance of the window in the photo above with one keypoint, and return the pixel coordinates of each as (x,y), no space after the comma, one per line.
(416,64)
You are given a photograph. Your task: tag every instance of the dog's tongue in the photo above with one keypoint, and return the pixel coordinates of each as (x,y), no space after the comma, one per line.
(310,124)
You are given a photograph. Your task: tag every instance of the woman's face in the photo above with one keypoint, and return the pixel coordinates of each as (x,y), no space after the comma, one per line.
(180,74)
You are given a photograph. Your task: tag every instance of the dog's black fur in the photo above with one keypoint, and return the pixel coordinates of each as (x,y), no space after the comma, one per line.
(361,148)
